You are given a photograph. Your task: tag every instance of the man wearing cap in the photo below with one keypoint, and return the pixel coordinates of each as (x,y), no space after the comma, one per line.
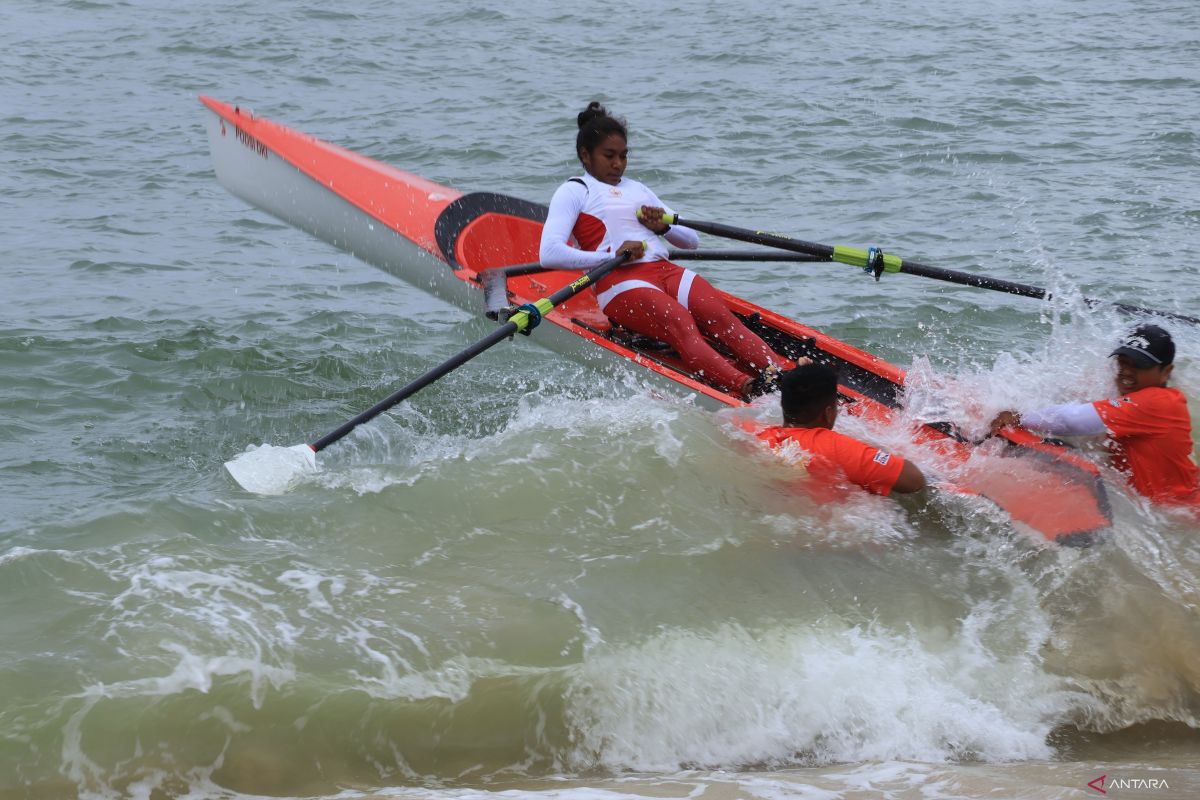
(1148,427)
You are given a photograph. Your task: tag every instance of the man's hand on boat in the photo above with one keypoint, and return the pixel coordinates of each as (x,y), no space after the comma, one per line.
(1005,419)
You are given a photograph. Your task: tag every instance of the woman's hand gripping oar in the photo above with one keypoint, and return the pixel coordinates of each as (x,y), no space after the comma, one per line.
(273,470)
(874,260)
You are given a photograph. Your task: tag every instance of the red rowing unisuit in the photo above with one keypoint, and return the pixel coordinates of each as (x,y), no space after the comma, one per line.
(839,455)
(651,296)
(677,306)
(1150,436)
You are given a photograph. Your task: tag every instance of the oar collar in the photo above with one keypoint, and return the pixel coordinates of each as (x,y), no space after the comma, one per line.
(874,262)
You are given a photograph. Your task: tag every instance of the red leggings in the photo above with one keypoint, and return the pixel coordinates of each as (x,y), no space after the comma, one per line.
(657,313)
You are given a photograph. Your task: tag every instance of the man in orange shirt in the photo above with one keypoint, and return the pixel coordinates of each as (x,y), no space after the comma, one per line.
(1148,426)
(808,396)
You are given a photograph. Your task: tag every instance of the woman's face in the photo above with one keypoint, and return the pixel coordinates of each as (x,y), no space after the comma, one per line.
(606,161)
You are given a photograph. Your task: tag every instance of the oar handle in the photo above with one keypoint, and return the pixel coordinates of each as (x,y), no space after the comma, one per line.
(526,318)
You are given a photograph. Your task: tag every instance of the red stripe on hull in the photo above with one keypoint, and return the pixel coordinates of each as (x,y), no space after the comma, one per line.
(406,203)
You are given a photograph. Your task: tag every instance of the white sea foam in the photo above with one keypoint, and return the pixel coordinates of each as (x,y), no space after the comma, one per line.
(192,671)
(541,432)
(197,671)
(972,394)
(314,585)
(451,680)
(735,697)
(19,553)
(591,636)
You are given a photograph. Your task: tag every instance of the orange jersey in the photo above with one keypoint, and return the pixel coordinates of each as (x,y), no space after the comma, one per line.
(841,455)
(1150,436)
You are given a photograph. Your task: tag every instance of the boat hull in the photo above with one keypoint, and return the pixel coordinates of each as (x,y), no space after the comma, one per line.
(442,241)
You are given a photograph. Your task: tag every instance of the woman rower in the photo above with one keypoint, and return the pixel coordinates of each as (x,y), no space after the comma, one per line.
(648,295)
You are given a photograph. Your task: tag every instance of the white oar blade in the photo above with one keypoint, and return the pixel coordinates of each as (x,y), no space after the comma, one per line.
(268,469)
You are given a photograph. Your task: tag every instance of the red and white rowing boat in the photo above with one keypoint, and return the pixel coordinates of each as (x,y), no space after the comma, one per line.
(443,241)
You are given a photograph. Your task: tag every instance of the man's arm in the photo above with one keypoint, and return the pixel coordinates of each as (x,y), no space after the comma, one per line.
(1071,419)
(873,469)
(911,479)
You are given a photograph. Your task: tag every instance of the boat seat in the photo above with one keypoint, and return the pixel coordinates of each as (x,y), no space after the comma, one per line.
(636,341)
(621,335)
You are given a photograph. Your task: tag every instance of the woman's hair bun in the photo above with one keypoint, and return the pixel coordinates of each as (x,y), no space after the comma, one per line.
(590,113)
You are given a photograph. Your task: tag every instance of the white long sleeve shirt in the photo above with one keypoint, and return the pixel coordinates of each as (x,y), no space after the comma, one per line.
(1069,419)
(600,217)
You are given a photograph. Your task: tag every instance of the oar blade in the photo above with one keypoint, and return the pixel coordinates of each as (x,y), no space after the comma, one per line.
(271,470)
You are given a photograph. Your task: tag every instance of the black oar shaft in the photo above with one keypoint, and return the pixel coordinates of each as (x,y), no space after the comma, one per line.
(759,237)
(1138,310)
(739,255)
(828,252)
(968,279)
(519,321)
(400,395)
(855,258)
